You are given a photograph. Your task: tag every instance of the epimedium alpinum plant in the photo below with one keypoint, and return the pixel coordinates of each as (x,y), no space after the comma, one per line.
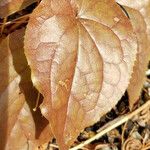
(81,55)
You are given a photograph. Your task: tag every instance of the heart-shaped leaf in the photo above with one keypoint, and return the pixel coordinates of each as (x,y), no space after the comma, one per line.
(139,13)
(81,54)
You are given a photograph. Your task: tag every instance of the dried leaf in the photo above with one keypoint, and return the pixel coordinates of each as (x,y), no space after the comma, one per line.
(8,7)
(142,59)
(80,72)
(143,119)
(132,144)
(17,139)
(143,6)
(112,135)
(139,16)
(18,98)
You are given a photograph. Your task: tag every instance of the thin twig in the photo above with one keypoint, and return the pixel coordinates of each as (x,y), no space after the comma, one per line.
(113,124)
(54,146)
(3,25)
(123,132)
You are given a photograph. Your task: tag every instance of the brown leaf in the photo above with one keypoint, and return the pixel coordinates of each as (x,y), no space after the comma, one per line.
(18,98)
(132,144)
(143,6)
(18,141)
(139,13)
(81,56)
(8,7)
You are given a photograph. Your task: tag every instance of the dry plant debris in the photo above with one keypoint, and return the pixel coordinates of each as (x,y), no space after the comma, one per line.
(62,80)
